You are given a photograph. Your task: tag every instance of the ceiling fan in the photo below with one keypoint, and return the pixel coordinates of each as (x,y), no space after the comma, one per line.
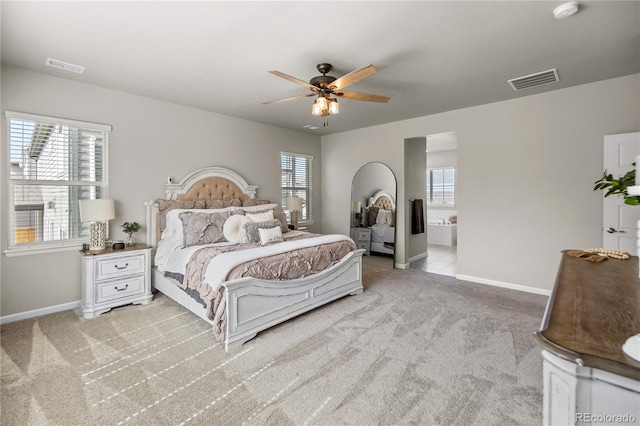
(324,86)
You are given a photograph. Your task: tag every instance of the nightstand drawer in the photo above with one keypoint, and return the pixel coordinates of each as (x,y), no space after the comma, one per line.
(362,235)
(363,245)
(120,288)
(119,267)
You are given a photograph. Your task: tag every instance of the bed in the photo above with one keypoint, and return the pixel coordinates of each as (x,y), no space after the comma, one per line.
(380,216)
(236,305)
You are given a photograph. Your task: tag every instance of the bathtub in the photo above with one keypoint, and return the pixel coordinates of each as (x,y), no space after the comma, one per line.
(444,235)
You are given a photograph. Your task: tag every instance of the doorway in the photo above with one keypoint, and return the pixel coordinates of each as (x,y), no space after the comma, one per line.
(441,222)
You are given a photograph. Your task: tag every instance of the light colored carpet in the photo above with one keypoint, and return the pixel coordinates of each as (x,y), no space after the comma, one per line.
(414,348)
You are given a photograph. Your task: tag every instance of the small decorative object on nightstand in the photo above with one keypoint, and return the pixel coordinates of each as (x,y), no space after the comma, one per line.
(131,228)
(113,278)
(362,238)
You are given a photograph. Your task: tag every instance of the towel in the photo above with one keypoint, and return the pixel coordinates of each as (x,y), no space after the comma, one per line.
(417,217)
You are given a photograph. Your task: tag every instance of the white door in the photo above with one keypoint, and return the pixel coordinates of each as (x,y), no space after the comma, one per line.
(620,220)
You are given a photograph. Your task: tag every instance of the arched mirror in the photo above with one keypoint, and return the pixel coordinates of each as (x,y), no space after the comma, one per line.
(373,210)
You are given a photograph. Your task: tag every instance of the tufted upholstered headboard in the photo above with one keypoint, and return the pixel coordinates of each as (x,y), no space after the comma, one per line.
(198,190)
(383,200)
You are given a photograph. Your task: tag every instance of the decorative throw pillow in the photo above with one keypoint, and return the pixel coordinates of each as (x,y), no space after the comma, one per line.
(202,228)
(232,203)
(278,214)
(385,217)
(249,202)
(252,229)
(233,229)
(270,235)
(260,217)
(214,204)
(372,215)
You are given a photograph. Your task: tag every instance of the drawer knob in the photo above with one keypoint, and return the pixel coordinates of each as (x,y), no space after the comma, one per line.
(121,289)
(121,267)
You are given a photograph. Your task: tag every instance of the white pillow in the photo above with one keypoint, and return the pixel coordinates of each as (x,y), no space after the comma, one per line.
(270,235)
(259,207)
(260,217)
(381,219)
(233,229)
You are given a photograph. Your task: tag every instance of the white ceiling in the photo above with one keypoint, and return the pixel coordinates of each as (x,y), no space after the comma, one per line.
(433,56)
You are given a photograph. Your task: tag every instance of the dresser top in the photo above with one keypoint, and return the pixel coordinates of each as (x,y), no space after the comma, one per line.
(109,250)
(593,310)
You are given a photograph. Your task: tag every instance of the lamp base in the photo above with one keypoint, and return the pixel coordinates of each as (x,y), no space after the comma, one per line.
(294,219)
(98,236)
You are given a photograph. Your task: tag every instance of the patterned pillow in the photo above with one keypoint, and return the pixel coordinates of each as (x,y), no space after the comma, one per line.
(249,202)
(203,228)
(252,229)
(278,214)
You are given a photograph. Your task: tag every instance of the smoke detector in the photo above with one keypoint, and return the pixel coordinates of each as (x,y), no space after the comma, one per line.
(566,9)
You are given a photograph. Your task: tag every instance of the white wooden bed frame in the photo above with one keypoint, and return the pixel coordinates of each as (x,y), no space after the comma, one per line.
(252,304)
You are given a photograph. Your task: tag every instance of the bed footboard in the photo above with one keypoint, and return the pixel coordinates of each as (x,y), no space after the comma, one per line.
(254,305)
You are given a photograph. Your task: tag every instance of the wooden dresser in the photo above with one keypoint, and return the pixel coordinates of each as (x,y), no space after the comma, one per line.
(593,310)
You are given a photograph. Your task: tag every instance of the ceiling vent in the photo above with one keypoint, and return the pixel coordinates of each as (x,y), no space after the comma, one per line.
(64,65)
(537,79)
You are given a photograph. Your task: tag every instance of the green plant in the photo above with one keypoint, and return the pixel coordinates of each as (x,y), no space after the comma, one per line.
(130,227)
(618,186)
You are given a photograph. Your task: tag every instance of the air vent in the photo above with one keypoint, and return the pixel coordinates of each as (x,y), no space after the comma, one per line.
(64,65)
(533,80)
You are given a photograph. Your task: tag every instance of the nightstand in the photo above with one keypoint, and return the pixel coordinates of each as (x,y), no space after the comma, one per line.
(362,238)
(113,278)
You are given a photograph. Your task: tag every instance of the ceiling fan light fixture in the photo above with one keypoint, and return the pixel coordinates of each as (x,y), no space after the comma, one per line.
(315,108)
(334,108)
(322,102)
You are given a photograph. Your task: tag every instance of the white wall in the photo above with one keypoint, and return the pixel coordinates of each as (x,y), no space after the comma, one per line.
(526,169)
(151,140)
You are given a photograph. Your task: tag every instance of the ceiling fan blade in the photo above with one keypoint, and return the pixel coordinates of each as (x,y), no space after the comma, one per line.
(353,77)
(289,99)
(363,97)
(294,80)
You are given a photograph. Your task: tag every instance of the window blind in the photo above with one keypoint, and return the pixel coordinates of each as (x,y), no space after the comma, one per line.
(297,182)
(441,186)
(53,164)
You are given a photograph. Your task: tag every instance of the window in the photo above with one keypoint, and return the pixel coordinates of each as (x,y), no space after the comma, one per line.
(296,182)
(53,164)
(441,186)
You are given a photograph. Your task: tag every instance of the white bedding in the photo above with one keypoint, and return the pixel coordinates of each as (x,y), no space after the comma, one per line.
(382,233)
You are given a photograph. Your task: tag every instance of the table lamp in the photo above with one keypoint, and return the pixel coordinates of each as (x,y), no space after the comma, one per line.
(356,207)
(97,212)
(294,204)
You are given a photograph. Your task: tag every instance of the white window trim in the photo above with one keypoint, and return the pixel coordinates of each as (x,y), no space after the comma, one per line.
(53,246)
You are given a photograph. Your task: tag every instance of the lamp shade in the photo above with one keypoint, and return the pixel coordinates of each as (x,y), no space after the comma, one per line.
(294,203)
(97,210)
(356,206)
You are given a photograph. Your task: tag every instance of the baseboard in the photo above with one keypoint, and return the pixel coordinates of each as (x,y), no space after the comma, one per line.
(39,312)
(501,284)
(402,265)
(418,257)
